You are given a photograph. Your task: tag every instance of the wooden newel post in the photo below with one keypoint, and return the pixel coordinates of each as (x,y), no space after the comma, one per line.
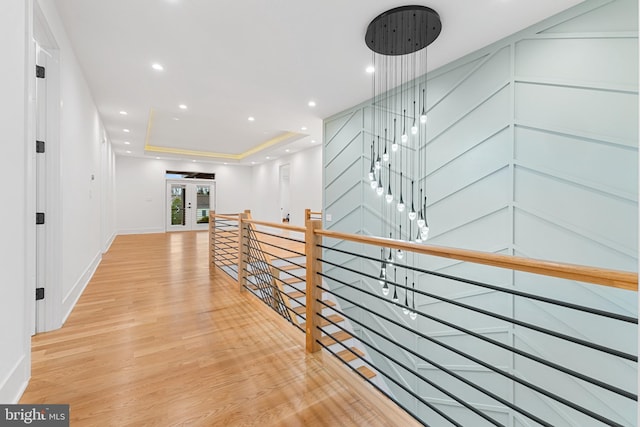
(212,242)
(314,294)
(307,214)
(243,240)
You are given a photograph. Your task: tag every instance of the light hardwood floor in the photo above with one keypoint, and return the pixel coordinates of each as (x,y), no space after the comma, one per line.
(155,341)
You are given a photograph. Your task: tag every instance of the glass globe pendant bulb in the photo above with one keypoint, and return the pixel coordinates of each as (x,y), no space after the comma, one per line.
(424,234)
(400,206)
(413,315)
(404,138)
(405,308)
(421,222)
(388,197)
(385,157)
(423,117)
(374,184)
(414,128)
(399,254)
(383,276)
(385,289)
(372,175)
(395,295)
(379,190)
(378,164)
(412,214)
(419,237)
(394,146)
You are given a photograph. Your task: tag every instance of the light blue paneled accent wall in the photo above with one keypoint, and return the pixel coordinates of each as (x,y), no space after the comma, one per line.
(532,150)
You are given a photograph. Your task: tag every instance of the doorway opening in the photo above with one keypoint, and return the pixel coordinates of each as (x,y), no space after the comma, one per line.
(285,194)
(188,203)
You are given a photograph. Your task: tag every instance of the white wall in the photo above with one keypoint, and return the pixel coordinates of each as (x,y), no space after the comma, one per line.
(141,190)
(305,182)
(86,174)
(15,359)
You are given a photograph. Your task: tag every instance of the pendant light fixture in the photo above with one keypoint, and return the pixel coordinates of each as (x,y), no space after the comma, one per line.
(398,39)
(395,286)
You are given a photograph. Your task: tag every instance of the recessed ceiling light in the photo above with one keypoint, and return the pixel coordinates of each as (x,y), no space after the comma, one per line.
(303,128)
(128,152)
(176,119)
(124,113)
(125,130)
(251,118)
(313,141)
(225,163)
(253,163)
(157,67)
(127,143)
(193,161)
(182,107)
(157,158)
(287,150)
(370,69)
(312,103)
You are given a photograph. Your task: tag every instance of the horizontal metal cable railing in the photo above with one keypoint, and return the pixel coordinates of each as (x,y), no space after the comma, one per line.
(452,336)
(224,232)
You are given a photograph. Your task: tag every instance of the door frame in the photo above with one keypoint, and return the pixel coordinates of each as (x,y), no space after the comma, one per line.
(49,310)
(193,225)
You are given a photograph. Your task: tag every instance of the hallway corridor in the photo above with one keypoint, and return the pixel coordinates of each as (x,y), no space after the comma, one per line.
(155,341)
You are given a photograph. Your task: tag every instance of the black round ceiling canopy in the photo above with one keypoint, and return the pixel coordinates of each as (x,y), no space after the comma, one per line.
(402,30)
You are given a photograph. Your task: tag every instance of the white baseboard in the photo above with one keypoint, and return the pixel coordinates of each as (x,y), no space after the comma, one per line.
(141,231)
(109,242)
(70,300)
(14,385)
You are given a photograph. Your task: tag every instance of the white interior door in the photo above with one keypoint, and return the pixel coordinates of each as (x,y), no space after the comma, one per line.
(42,59)
(188,204)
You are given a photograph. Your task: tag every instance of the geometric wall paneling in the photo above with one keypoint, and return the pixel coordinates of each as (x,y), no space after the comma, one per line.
(482,376)
(343,182)
(565,202)
(441,84)
(478,162)
(532,150)
(333,127)
(343,205)
(469,130)
(621,301)
(543,239)
(474,191)
(352,127)
(604,115)
(336,166)
(617,164)
(488,77)
(613,17)
(484,233)
(588,395)
(604,63)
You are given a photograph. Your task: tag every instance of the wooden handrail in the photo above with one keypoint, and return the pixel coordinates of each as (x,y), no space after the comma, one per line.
(276,225)
(233,217)
(600,276)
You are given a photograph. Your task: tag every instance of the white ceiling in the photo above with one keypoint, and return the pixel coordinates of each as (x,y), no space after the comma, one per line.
(227,60)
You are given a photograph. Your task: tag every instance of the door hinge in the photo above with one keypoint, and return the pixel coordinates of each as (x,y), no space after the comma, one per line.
(39,294)
(39,146)
(39,218)
(40,71)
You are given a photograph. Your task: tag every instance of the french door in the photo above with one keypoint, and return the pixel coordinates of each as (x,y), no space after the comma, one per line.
(188,204)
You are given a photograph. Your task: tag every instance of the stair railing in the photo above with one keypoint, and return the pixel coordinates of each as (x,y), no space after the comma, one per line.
(460,349)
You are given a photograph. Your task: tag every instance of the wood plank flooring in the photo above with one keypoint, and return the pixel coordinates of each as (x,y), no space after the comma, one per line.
(156,341)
